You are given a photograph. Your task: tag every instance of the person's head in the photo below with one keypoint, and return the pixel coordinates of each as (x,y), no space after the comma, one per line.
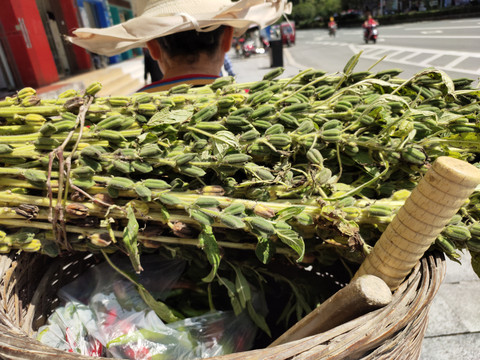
(191,47)
(331,18)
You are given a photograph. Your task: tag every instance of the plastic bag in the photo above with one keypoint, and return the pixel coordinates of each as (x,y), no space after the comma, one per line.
(212,334)
(158,278)
(69,329)
(111,314)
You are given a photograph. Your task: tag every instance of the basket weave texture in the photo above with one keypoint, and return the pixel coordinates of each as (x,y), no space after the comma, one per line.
(29,283)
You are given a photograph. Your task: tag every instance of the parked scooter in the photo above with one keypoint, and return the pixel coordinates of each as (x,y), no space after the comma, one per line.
(248,48)
(370,33)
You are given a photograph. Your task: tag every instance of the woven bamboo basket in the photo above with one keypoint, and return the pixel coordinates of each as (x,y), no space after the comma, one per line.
(29,283)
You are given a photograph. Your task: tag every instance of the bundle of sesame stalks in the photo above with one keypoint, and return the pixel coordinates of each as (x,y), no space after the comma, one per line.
(308,169)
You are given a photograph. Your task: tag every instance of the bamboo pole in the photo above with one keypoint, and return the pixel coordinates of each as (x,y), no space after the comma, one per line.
(438,196)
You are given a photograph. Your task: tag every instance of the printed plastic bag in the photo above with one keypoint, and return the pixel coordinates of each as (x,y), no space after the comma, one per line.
(212,334)
(107,314)
(69,329)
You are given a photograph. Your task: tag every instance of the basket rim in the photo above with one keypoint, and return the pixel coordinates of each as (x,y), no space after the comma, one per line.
(427,276)
(410,304)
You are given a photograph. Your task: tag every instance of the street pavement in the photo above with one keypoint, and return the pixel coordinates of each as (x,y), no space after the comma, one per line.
(454,321)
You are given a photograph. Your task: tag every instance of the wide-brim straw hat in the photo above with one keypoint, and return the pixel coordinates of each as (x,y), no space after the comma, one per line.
(159,18)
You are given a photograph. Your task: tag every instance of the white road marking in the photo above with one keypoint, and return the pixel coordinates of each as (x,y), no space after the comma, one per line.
(431,32)
(442,28)
(291,60)
(416,53)
(429,60)
(455,62)
(431,37)
(394,55)
(413,52)
(463,21)
(376,52)
(433,51)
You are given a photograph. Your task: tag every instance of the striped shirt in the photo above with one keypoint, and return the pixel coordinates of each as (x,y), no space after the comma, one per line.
(166,84)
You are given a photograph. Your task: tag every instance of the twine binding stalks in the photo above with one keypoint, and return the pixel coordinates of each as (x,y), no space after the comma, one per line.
(57,214)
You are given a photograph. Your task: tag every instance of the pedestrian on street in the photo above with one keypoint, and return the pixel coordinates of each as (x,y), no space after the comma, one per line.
(188,38)
(227,65)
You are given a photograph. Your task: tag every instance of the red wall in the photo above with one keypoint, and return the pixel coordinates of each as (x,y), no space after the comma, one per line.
(35,64)
(69,11)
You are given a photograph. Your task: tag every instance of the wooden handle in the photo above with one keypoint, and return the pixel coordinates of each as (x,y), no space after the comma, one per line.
(438,196)
(362,295)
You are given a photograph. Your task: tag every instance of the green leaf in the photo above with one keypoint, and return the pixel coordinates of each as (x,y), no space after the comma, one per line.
(364,158)
(233,222)
(160,308)
(209,245)
(168,116)
(476,263)
(164,212)
(286,313)
(147,138)
(264,249)
(228,138)
(169,199)
(289,212)
(223,141)
(242,287)
(130,234)
(293,240)
(304,219)
(232,293)
(35,176)
(446,80)
(258,319)
(469,141)
(201,217)
(350,65)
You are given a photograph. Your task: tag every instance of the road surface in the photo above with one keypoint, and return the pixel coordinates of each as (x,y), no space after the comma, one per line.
(448,45)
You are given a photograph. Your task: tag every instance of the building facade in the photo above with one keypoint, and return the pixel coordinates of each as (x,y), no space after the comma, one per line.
(33,51)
